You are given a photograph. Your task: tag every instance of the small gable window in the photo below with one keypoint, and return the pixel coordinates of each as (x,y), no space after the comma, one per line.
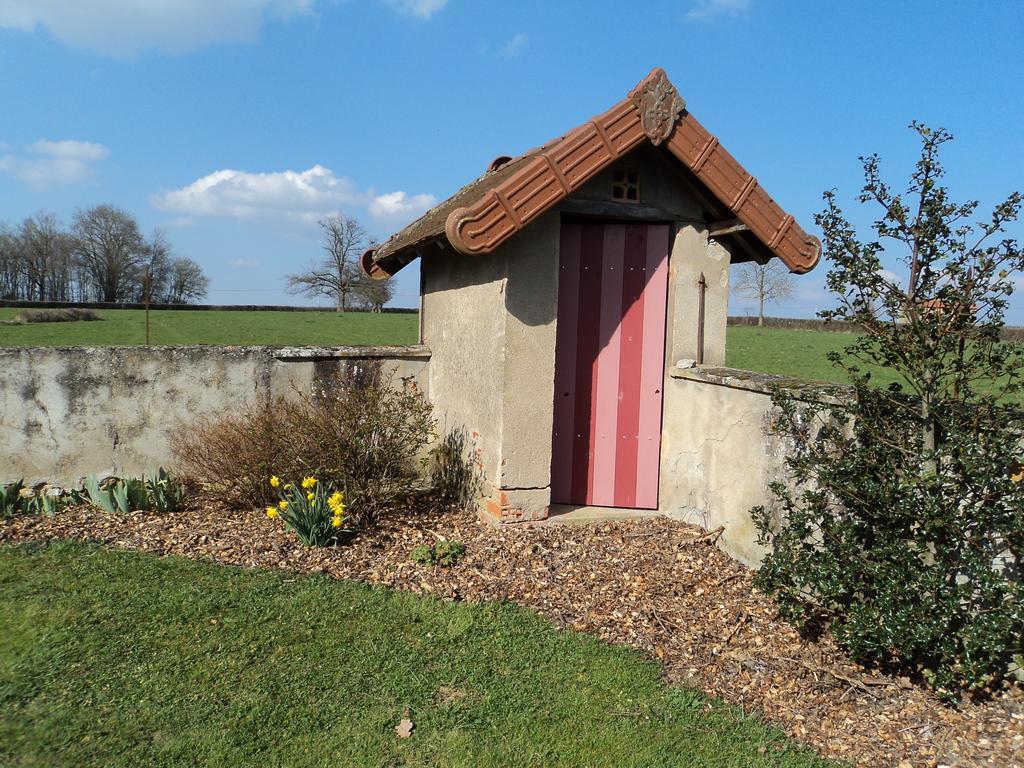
(626,186)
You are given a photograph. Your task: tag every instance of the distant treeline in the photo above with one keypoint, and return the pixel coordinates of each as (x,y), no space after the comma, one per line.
(1009,333)
(212,307)
(101,257)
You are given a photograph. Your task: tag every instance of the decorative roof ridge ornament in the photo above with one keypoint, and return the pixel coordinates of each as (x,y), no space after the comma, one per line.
(659,105)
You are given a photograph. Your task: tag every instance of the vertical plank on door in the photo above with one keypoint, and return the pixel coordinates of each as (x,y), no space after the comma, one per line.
(606,387)
(587,339)
(565,362)
(631,357)
(653,367)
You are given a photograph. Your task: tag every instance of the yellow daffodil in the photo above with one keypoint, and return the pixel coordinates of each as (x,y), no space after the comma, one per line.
(271,512)
(275,481)
(282,505)
(309,482)
(310,496)
(336,522)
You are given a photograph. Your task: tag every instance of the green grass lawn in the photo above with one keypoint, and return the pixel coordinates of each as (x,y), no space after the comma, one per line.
(772,350)
(128,326)
(120,659)
(790,352)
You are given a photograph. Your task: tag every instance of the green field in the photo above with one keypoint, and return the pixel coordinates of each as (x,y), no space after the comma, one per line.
(128,326)
(790,352)
(772,350)
(111,658)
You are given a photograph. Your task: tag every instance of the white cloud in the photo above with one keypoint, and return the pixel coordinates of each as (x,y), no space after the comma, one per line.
(50,163)
(299,195)
(419,9)
(711,10)
(124,28)
(240,194)
(516,45)
(399,205)
(891,277)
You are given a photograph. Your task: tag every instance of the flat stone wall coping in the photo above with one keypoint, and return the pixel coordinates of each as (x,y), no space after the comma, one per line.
(409,352)
(755,381)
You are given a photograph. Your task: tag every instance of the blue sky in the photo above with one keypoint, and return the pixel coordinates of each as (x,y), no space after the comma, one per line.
(234,124)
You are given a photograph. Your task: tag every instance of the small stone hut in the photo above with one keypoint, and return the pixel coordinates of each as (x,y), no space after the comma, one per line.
(560,289)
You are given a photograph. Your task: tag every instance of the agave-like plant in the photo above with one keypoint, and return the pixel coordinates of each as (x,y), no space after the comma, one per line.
(100,495)
(165,493)
(10,497)
(159,492)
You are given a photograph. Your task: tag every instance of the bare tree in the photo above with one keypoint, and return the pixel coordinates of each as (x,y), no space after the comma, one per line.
(46,258)
(334,276)
(186,283)
(372,294)
(104,258)
(10,264)
(110,250)
(763,283)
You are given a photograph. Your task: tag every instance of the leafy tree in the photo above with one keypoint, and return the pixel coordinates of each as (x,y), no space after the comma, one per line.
(763,283)
(902,525)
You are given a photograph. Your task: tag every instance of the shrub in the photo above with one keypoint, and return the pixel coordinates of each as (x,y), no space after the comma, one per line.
(314,510)
(901,526)
(444,553)
(66,315)
(366,439)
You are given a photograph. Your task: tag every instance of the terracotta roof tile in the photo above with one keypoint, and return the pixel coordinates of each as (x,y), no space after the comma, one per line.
(514,192)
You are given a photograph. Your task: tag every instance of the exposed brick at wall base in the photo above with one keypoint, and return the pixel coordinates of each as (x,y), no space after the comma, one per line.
(501,510)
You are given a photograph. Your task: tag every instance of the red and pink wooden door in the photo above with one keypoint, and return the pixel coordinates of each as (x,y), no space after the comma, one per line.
(609,364)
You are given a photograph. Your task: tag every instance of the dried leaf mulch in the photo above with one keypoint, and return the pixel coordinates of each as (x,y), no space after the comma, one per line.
(657,585)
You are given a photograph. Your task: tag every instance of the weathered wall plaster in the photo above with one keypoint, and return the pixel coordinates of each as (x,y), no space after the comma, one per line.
(717,456)
(66,412)
(463,323)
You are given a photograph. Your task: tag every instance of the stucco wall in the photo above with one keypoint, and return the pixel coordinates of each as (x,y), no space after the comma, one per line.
(531,303)
(717,458)
(463,323)
(490,323)
(66,412)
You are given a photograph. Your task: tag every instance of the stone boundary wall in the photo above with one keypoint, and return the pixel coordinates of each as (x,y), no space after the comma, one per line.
(8,303)
(1009,333)
(718,458)
(67,412)
(797,323)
